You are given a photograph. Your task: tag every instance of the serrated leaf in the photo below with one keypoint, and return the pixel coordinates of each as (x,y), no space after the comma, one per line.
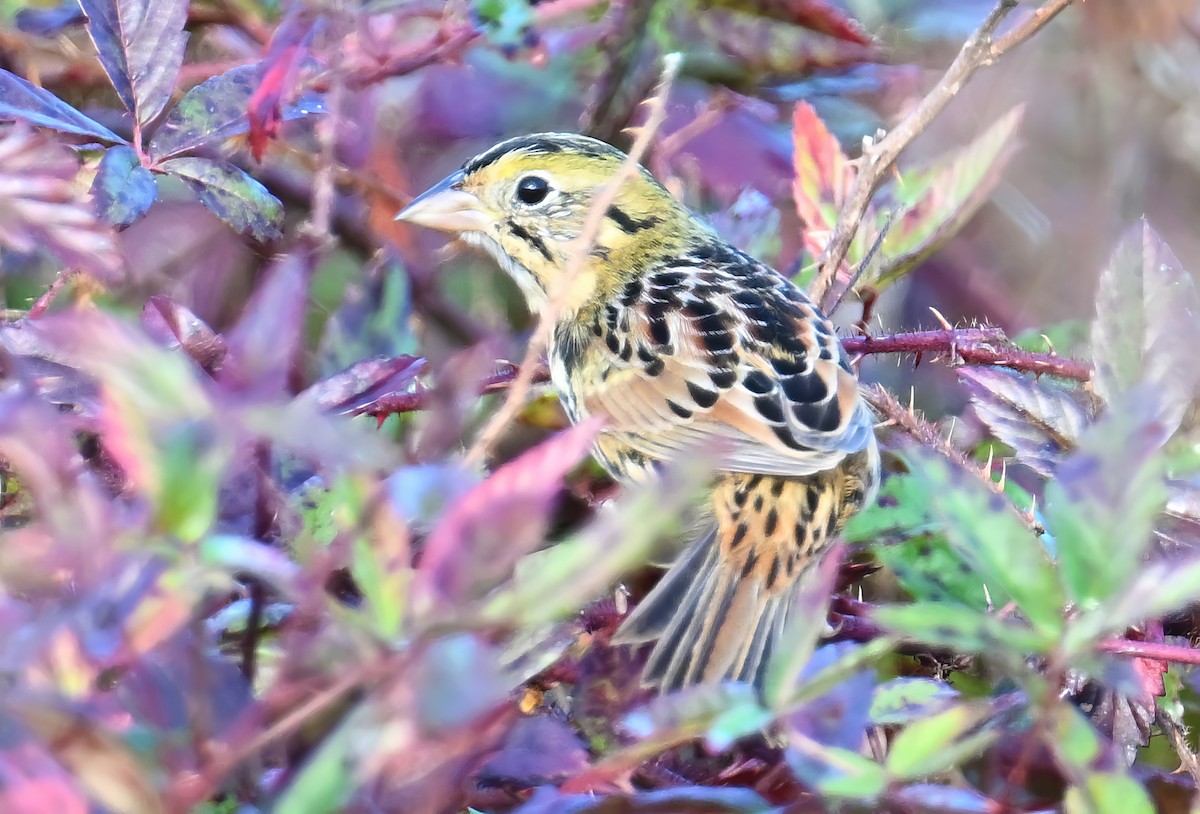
(485,532)
(928,567)
(1040,422)
(232,195)
(823,177)
(123,189)
(216,110)
(41,208)
(140,44)
(1147,326)
(986,532)
(953,626)
(937,201)
(1157,589)
(20,99)
(1102,505)
(938,743)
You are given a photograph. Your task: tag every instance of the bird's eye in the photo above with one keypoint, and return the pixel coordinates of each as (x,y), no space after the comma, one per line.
(532,189)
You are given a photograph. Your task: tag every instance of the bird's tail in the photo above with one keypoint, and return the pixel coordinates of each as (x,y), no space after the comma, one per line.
(712,620)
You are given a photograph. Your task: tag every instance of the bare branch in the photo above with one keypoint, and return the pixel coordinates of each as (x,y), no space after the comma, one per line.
(980,50)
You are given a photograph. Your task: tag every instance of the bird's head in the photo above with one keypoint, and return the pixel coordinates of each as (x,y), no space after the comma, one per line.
(527,200)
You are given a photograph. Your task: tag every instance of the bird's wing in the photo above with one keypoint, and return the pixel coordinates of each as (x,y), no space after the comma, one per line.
(726,355)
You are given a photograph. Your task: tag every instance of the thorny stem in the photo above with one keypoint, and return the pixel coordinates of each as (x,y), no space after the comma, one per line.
(976,346)
(579,254)
(980,50)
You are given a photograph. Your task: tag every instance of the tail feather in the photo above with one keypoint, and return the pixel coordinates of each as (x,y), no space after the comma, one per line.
(711,622)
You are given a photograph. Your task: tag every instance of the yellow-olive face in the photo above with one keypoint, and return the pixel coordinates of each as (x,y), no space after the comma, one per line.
(527,200)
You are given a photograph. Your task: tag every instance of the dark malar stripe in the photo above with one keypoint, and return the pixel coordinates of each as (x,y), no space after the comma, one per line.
(533,240)
(630,225)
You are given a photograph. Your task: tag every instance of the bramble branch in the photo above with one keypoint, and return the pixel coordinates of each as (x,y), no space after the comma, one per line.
(981,49)
(974,346)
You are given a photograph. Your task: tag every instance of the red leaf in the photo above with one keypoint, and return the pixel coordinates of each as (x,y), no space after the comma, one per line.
(823,177)
(826,18)
(492,526)
(289,49)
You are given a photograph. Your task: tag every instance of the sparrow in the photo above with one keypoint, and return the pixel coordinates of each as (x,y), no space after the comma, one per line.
(680,341)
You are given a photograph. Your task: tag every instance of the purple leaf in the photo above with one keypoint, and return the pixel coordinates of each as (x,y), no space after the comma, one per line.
(538,751)
(23,100)
(215,110)
(41,208)
(1147,325)
(927,798)
(266,340)
(231,194)
(838,718)
(690,799)
(1039,421)
(123,189)
(140,44)
(363,383)
(176,326)
(487,530)
(48,22)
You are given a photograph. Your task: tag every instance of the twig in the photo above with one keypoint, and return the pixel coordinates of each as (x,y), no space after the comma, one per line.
(926,434)
(42,304)
(980,50)
(1177,734)
(498,382)
(976,346)
(441,47)
(580,252)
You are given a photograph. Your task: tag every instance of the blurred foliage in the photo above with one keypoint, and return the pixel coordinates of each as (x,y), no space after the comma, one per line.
(246,567)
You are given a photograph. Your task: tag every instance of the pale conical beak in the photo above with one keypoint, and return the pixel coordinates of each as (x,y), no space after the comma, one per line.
(447,207)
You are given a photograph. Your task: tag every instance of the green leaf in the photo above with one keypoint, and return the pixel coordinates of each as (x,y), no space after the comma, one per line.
(854,777)
(937,201)
(1107,793)
(158,420)
(953,626)
(215,110)
(231,194)
(123,189)
(1158,589)
(902,507)
(1075,740)
(508,22)
(1147,326)
(902,700)
(938,743)
(985,531)
(1102,505)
